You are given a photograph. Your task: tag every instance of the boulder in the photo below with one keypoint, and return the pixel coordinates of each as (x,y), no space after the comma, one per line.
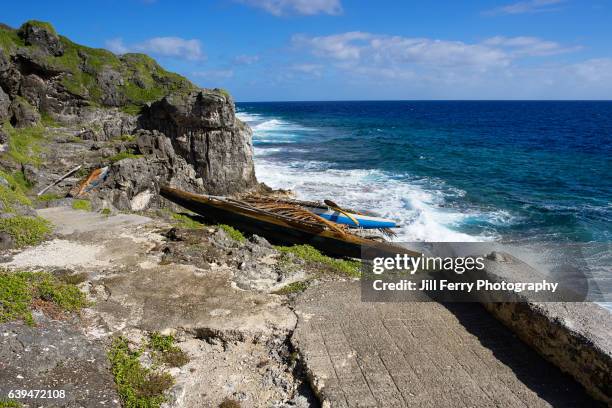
(204,130)
(42,35)
(23,114)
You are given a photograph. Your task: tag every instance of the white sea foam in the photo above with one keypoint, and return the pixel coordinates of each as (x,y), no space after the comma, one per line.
(418,208)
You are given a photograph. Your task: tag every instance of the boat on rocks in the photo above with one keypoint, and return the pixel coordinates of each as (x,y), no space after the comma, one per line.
(282,221)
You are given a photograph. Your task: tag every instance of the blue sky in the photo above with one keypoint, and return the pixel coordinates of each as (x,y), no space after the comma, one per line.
(270,50)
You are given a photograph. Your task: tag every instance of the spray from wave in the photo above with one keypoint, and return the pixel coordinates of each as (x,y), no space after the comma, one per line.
(419,210)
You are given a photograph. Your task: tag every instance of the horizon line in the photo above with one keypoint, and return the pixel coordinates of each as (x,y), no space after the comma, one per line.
(423,100)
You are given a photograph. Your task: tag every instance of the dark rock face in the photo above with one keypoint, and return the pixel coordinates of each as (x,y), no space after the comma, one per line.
(42,35)
(133,183)
(205,132)
(5,103)
(23,114)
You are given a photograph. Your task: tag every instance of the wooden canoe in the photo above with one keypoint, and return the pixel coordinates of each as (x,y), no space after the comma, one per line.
(277,228)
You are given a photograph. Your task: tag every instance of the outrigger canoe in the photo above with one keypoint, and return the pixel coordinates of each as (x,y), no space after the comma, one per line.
(279,222)
(352,220)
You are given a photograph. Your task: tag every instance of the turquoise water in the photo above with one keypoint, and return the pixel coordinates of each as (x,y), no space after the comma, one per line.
(513,172)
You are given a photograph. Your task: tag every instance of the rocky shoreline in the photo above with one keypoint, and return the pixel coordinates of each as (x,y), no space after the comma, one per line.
(119,298)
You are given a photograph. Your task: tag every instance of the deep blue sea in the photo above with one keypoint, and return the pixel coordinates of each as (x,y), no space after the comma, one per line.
(514,171)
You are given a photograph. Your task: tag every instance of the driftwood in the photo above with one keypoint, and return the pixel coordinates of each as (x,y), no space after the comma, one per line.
(41,192)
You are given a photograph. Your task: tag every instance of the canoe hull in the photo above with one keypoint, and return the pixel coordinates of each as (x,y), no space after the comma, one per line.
(365,221)
(274,230)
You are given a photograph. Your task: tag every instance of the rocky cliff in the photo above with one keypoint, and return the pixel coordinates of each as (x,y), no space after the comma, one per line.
(163,128)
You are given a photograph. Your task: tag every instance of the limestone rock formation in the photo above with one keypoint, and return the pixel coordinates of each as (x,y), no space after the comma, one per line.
(204,130)
(168,130)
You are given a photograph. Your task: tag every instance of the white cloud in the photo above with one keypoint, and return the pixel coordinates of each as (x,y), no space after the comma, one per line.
(245,59)
(528,6)
(594,70)
(312,69)
(528,46)
(214,74)
(305,7)
(165,46)
(384,49)
(497,67)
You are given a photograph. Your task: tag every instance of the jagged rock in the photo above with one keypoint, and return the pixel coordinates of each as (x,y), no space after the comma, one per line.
(42,35)
(89,134)
(33,89)
(5,103)
(133,183)
(204,131)
(23,114)
(109,79)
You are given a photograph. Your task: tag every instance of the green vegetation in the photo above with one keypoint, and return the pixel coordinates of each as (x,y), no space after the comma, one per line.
(10,403)
(232,232)
(138,386)
(308,253)
(229,403)
(19,290)
(13,194)
(47,120)
(124,155)
(125,138)
(106,211)
(167,351)
(25,230)
(49,197)
(295,287)
(222,91)
(187,221)
(83,205)
(40,24)
(9,39)
(73,279)
(25,144)
(144,80)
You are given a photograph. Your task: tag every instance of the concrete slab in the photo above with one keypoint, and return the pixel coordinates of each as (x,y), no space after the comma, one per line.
(427,354)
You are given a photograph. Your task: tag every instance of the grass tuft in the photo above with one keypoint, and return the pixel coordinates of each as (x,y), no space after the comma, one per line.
(49,197)
(295,287)
(25,230)
(19,290)
(167,351)
(229,403)
(347,267)
(13,194)
(25,144)
(124,155)
(10,403)
(83,205)
(232,232)
(138,386)
(187,221)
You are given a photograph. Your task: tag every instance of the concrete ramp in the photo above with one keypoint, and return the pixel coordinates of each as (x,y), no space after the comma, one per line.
(361,354)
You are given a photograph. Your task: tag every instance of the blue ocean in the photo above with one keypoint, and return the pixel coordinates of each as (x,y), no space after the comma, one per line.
(509,171)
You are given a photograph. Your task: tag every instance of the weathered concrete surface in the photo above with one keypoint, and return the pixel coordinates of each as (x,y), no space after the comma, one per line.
(55,355)
(574,336)
(361,354)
